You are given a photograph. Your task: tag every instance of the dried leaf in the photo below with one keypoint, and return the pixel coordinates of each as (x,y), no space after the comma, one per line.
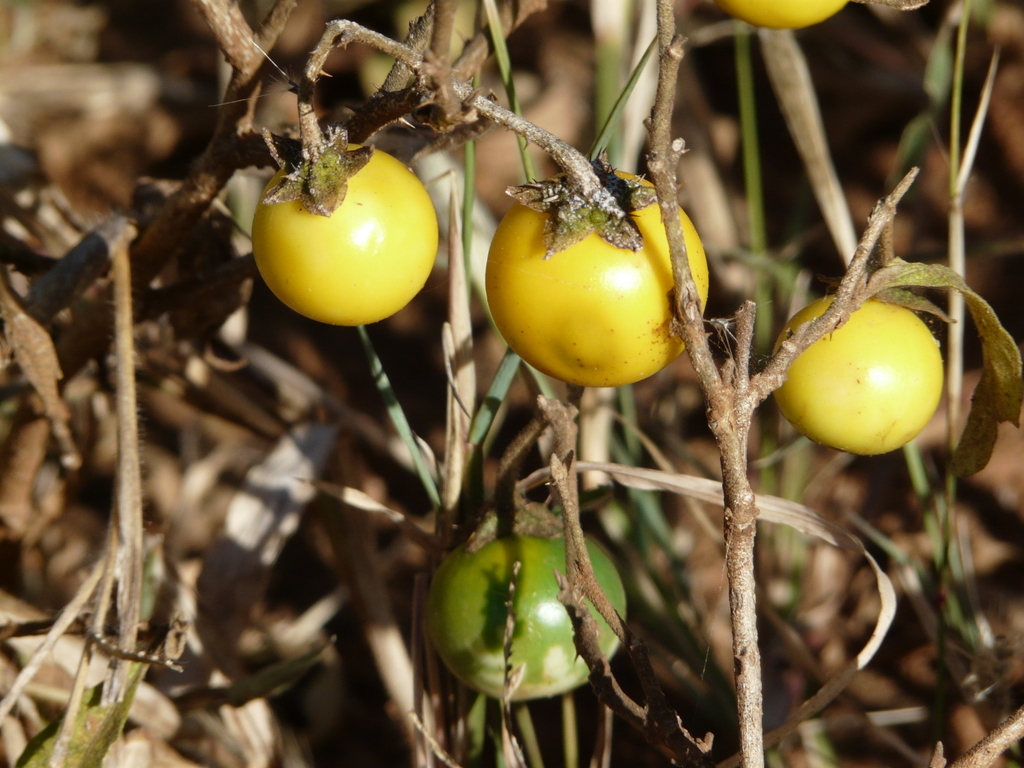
(791,80)
(913,301)
(33,348)
(261,518)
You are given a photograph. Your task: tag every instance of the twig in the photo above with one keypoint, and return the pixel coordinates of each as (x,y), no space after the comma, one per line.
(477,50)
(155,659)
(505,494)
(656,720)
(67,617)
(441,32)
(985,752)
(729,412)
(341,32)
(732,399)
(579,569)
(233,145)
(128,511)
(77,269)
(62,744)
(844,302)
(438,751)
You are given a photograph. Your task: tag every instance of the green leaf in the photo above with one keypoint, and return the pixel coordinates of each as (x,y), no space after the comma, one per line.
(482,422)
(998,395)
(97,727)
(484,417)
(904,297)
(275,677)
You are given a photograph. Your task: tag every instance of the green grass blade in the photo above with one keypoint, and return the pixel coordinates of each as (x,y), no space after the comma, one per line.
(605,136)
(468,200)
(483,419)
(484,416)
(505,68)
(398,418)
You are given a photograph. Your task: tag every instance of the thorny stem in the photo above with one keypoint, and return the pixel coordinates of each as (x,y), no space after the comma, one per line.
(656,719)
(338,34)
(232,146)
(732,399)
(395,99)
(988,750)
(729,414)
(848,297)
(505,494)
(441,30)
(580,570)
(341,32)
(128,510)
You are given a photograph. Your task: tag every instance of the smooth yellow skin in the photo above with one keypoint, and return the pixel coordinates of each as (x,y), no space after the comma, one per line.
(871,386)
(593,315)
(782,14)
(364,262)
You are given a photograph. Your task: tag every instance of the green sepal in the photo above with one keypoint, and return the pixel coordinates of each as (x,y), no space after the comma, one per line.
(572,217)
(318,180)
(999,393)
(531,519)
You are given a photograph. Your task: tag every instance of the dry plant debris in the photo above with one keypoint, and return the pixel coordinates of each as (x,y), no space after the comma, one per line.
(218,521)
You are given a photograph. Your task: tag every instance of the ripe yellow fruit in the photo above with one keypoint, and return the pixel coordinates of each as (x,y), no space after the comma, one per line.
(869,387)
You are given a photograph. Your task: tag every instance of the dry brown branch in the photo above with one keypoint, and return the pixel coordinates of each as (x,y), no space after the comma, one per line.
(988,750)
(127,516)
(342,32)
(441,30)
(729,411)
(67,617)
(731,394)
(658,722)
(846,298)
(77,269)
(900,5)
(397,99)
(476,51)
(232,146)
(506,499)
